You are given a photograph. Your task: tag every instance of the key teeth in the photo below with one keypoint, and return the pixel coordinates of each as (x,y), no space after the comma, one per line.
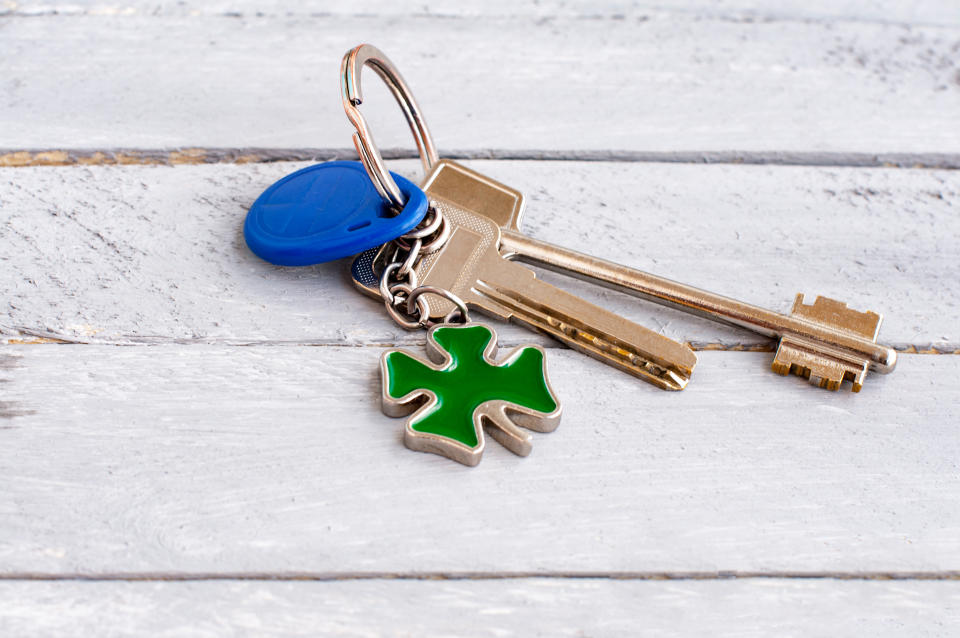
(632,362)
(783,369)
(823,366)
(821,369)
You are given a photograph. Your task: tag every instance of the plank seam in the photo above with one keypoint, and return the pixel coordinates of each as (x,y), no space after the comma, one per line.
(949,575)
(17,158)
(31,337)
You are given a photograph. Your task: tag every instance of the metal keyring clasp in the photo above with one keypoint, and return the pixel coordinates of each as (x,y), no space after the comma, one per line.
(353,63)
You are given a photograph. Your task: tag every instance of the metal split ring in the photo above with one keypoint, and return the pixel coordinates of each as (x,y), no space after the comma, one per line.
(436,243)
(352,97)
(425,230)
(439,240)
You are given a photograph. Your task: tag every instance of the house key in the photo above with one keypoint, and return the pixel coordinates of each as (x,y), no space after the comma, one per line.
(470,266)
(467,265)
(825,341)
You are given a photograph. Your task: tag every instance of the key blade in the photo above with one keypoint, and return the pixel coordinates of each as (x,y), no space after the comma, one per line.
(470,266)
(634,349)
(511,292)
(825,366)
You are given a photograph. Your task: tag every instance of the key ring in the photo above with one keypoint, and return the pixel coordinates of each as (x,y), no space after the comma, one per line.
(353,62)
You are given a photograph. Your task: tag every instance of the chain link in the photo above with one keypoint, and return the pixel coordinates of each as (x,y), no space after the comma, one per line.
(402,296)
(459,314)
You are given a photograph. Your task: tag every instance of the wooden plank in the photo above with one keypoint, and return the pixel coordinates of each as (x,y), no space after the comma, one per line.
(175,460)
(548,607)
(148,254)
(920,12)
(695,81)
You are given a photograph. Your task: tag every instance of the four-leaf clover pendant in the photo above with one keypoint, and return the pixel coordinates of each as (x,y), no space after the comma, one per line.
(464,390)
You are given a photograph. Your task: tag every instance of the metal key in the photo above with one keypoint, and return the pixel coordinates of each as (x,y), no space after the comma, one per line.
(825,341)
(470,266)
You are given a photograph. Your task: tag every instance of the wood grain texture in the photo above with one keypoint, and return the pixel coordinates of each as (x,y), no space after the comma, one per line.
(175,460)
(184,478)
(701,78)
(542,607)
(154,254)
(916,12)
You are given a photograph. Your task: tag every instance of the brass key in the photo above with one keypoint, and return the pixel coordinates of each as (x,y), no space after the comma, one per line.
(470,266)
(825,341)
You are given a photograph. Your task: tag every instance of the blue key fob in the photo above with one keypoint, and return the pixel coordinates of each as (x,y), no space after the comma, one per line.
(326,212)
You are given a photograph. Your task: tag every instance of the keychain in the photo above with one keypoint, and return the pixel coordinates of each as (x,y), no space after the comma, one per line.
(824,341)
(339,209)
(457,239)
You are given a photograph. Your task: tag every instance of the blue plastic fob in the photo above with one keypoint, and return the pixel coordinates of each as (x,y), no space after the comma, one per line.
(326,212)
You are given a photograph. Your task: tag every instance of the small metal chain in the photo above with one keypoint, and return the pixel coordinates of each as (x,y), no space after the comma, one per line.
(402,296)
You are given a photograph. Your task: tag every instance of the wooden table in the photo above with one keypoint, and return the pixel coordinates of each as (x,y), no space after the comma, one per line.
(190,438)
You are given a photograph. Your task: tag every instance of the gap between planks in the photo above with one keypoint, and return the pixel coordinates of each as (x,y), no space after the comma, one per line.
(12,158)
(29,337)
(949,575)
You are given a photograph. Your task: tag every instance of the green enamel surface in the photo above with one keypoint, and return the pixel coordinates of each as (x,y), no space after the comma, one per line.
(468,381)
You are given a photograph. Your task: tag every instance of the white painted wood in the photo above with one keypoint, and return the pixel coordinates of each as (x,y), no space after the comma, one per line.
(214,461)
(701,79)
(147,254)
(915,12)
(277,460)
(498,608)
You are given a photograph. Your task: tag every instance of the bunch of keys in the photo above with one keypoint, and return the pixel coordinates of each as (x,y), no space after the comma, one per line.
(456,239)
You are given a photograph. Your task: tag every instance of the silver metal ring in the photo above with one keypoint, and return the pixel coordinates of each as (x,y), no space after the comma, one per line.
(437,242)
(440,235)
(425,230)
(352,97)
(422,307)
(417,293)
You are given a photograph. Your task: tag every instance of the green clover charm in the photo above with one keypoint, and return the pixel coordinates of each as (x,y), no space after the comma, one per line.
(465,389)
